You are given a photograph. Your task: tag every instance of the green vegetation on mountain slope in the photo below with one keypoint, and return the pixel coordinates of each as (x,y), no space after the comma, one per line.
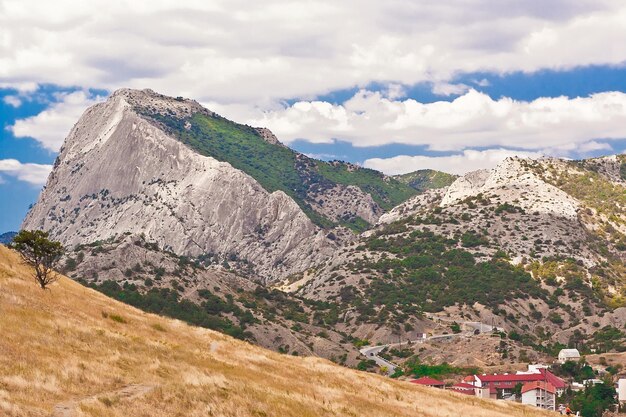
(604,203)
(421,271)
(277,167)
(426,179)
(167,302)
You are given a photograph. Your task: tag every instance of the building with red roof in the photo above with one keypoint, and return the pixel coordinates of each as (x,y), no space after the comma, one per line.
(463,388)
(539,394)
(429,382)
(503,385)
(558,383)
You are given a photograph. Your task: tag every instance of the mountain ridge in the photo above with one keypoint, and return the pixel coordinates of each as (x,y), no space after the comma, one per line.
(515,224)
(160,163)
(6,238)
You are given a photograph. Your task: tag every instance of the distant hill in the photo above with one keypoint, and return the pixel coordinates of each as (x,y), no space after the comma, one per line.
(426,179)
(7,237)
(94,354)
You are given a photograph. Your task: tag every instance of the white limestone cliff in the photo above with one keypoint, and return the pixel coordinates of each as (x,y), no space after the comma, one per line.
(117,174)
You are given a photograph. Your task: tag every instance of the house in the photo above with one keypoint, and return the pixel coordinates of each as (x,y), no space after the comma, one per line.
(463,388)
(429,382)
(539,394)
(503,385)
(568,355)
(621,390)
(558,384)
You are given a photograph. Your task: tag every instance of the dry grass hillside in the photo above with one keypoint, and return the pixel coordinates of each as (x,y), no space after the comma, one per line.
(71,351)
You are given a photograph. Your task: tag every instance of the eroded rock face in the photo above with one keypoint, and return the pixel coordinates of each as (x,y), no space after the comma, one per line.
(343,202)
(512,181)
(119,174)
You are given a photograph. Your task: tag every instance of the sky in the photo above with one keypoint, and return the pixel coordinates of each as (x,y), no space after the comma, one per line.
(399,85)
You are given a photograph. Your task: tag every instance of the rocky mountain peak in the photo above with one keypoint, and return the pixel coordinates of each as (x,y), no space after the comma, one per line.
(149,100)
(513,180)
(121,171)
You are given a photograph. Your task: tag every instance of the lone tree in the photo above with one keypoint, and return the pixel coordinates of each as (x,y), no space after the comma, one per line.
(39,252)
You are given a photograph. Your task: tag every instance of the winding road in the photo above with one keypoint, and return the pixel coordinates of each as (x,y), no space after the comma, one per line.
(371,352)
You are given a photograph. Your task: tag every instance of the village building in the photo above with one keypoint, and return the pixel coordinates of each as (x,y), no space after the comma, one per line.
(503,386)
(621,391)
(539,394)
(429,382)
(568,355)
(463,388)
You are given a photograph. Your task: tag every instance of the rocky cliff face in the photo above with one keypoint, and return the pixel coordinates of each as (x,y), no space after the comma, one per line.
(512,181)
(118,173)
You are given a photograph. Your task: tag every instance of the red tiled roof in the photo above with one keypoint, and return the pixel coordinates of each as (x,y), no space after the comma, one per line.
(511,377)
(463,388)
(462,385)
(529,386)
(543,375)
(557,382)
(427,381)
(464,391)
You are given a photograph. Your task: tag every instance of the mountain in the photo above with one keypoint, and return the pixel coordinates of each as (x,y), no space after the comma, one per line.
(7,237)
(171,208)
(198,184)
(426,179)
(102,357)
(533,246)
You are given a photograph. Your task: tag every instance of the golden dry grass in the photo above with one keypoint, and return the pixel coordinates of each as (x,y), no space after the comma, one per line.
(62,346)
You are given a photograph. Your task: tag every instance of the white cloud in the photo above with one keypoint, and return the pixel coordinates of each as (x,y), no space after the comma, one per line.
(482,83)
(594,146)
(259,52)
(395,91)
(447,89)
(470,121)
(35,174)
(51,126)
(13,101)
(468,160)
(23,87)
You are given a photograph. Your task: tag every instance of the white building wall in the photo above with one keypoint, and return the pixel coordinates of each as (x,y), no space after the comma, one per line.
(548,401)
(621,390)
(529,397)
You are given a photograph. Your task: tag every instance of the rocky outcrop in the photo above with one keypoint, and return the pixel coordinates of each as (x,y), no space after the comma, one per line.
(268,136)
(343,203)
(425,201)
(118,173)
(513,181)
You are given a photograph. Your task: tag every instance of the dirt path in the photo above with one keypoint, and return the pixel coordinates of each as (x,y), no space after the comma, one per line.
(68,409)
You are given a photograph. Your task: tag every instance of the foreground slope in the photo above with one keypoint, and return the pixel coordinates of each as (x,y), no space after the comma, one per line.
(71,351)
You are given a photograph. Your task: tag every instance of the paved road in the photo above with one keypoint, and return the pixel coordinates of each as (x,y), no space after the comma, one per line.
(371,352)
